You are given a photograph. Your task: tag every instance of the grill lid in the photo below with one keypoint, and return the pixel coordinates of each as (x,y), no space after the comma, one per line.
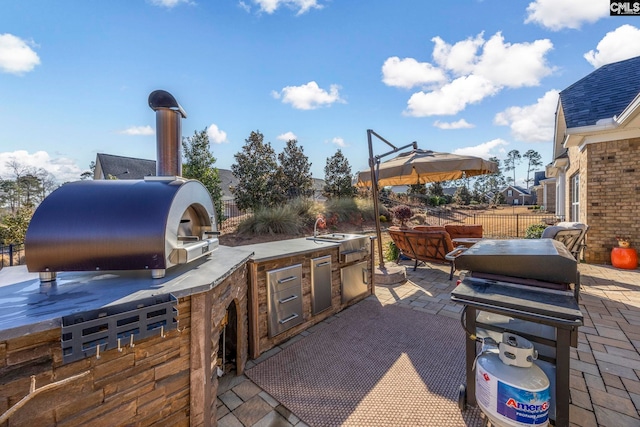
(539,259)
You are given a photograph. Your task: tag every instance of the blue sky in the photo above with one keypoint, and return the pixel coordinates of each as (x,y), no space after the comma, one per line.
(467,76)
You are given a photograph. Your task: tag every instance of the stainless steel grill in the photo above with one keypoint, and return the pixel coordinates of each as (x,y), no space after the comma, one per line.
(542,263)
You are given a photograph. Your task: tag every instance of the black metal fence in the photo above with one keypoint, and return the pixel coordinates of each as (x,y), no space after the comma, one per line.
(12,254)
(232,215)
(494,226)
(498,224)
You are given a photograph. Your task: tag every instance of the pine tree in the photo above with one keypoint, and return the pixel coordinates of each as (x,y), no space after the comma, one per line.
(198,164)
(337,177)
(534,161)
(295,171)
(510,163)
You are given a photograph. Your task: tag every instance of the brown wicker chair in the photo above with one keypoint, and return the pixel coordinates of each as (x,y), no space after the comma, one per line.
(427,246)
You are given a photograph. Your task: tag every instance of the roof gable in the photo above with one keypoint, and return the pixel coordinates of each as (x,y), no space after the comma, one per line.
(603,94)
(124,167)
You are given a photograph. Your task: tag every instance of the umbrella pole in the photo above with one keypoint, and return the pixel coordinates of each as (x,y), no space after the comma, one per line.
(374,191)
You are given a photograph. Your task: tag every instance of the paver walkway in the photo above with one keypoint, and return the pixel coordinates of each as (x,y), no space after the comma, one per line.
(605,368)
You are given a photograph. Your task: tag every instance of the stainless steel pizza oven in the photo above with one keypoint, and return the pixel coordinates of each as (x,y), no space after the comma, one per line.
(150,224)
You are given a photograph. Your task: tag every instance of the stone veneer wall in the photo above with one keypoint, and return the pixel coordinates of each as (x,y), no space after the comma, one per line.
(611,194)
(149,384)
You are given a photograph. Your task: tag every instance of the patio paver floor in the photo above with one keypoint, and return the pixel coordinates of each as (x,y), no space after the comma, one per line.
(605,367)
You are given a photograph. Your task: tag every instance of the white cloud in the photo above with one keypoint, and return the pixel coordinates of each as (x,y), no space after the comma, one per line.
(62,168)
(216,135)
(308,96)
(531,123)
(617,45)
(339,142)
(485,150)
(473,69)
(513,65)
(460,58)
(138,130)
(16,56)
(169,3)
(288,136)
(244,6)
(558,14)
(408,73)
(459,124)
(302,6)
(451,98)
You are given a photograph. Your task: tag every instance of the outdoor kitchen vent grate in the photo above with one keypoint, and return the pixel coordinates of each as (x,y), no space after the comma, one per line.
(92,332)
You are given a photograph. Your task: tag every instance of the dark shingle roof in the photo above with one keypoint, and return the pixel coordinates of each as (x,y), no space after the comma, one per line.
(604,93)
(537,177)
(126,167)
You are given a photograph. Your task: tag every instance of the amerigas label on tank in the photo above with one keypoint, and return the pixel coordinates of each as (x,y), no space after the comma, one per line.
(505,402)
(529,408)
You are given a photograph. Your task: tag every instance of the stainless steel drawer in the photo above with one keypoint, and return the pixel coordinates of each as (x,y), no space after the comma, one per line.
(284,278)
(285,298)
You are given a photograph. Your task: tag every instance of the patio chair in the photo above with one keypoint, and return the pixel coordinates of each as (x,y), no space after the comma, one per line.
(571,234)
(426,246)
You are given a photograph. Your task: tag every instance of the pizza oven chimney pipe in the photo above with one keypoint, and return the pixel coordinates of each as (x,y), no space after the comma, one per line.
(168,132)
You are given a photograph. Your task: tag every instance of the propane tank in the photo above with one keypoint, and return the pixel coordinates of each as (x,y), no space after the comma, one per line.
(510,389)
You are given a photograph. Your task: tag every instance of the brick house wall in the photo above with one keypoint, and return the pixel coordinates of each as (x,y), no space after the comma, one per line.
(550,203)
(157,382)
(609,194)
(551,198)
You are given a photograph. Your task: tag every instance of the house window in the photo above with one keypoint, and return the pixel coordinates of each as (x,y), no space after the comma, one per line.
(575,197)
(509,193)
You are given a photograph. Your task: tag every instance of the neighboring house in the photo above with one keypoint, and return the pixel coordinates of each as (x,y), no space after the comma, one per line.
(228,181)
(545,192)
(109,166)
(318,190)
(596,153)
(514,195)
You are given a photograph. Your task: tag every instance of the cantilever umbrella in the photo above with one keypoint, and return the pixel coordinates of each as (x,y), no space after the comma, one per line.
(420,167)
(423,166)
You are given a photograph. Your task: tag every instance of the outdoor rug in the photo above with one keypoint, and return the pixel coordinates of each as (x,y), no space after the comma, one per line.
(373,366)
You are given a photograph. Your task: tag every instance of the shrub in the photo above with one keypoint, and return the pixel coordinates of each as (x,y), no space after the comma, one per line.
(402,213)
(343,208)
(277,220)
(305,208)
(534,231)
(392,252)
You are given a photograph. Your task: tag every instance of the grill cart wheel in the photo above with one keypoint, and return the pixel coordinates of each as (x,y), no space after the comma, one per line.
(462,397)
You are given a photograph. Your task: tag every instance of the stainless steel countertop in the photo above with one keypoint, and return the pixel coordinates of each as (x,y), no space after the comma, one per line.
(27,306)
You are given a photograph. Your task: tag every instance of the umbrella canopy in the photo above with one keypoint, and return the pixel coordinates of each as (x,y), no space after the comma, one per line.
(422,166)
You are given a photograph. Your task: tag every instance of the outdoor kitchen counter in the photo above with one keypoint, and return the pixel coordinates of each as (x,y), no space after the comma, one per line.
(28,306)
(297,283)
(287,248)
